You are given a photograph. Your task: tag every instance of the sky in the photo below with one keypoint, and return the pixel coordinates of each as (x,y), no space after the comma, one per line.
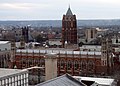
(54,9)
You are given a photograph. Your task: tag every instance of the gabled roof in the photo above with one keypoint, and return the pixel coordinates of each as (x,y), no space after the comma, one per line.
(64,80)
(69,12)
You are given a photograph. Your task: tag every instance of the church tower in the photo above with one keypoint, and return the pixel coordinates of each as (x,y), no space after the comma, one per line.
(106,57)
(69,28)
(12,57)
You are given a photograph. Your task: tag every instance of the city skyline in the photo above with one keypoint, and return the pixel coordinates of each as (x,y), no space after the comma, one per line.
(54,9)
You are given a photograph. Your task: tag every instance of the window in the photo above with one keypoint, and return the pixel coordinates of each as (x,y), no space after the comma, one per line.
(42,62)
(83,65)
(12,79)
(91,33)
(69,65)
(16,78)
(76,65)
(90,65)
(62,64)
(9,80)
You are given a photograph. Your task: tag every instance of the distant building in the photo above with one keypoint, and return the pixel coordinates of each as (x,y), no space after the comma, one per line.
(53,43)
(17,34)
(13,77)
(5,50)
(5,45)
(106,50)
(89,60)
(36,75)
(116,59)
(90,48)
(25,34)
(12,53)
(90,34)
(69,28)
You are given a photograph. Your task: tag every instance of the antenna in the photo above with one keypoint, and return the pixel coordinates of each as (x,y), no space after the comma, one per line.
(69,5)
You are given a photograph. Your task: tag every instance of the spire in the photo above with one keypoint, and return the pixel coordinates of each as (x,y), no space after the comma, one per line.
(69,12)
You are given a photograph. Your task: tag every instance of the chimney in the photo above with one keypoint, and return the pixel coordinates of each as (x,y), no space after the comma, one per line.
(50,66)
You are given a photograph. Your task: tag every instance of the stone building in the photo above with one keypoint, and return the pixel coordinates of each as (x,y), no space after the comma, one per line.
(106,50)
(90,34)
(5,50)
(25,34)
(13,77)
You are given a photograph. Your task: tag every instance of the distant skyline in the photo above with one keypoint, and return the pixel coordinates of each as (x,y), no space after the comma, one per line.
(54,9)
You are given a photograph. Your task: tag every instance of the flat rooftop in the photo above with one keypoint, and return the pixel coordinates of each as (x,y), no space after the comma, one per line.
(58,51)
(101,81)
(7,72)
(4,42)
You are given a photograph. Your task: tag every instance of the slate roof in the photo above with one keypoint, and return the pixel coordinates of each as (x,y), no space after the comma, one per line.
(69,12)
(64,80)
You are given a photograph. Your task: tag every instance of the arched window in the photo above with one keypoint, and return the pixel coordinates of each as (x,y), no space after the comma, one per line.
(35,62)
(76,65)
(83,65)
(30,62)
(42,62)
(98,63)
(69,65)
(62,64)
(90,65)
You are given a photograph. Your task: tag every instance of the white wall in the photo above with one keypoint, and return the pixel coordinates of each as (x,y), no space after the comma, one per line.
(5,46)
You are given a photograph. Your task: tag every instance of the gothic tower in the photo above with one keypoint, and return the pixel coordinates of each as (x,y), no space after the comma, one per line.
(25,34)
(69,28)
(106,57)
(13,50)
(22,43)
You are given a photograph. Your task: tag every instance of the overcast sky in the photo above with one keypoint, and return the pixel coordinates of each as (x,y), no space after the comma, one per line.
(54,9)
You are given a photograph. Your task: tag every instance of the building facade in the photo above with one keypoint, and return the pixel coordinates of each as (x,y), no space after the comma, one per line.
(5,50)
(90,34)
(106,50)
(72,62)
(25,34)
(69,28)
(13,77)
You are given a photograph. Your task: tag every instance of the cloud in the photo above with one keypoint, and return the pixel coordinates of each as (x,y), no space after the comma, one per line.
(14,6)
(54,9)
(102,1)
(21,6)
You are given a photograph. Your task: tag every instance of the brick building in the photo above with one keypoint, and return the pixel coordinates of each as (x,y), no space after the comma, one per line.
(68,61)
(69,28)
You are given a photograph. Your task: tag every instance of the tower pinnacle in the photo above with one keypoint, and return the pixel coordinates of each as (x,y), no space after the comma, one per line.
(69,12)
